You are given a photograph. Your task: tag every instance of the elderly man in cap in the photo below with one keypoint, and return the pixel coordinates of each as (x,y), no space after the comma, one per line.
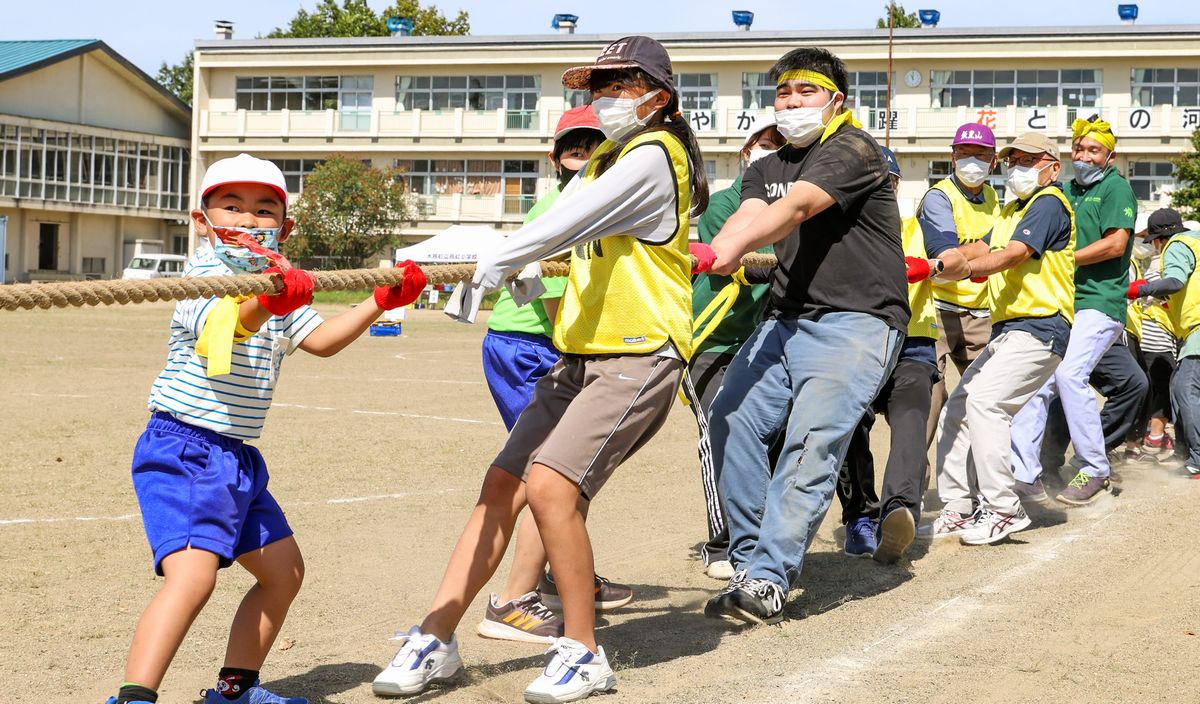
(1180,287)
(1105,209)
(1029,260)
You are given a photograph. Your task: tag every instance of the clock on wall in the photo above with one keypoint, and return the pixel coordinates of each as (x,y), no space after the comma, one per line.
(912,79)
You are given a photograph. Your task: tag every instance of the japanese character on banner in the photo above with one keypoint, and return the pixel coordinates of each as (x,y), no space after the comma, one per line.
(1139,119)
(701,120)
(888,118)
(1191,118)
(1037,118)
(986,117)
(744,120)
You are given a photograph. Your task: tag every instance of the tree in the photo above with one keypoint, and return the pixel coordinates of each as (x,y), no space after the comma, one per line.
(177,78)
(429,21)
(354,18)
(348,212)
(900,18)
(1186,198)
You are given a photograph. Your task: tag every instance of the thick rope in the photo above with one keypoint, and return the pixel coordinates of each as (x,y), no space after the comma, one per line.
(93,293)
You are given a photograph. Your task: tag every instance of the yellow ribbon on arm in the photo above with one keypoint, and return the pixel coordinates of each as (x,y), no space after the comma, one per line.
(221,330)
(1097,129)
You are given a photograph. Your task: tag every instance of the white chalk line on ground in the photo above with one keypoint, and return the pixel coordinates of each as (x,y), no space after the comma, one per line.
(923,628)
(397,379)
(389,413)
(341,501)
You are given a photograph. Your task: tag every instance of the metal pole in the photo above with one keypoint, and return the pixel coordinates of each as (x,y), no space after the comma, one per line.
(887,117)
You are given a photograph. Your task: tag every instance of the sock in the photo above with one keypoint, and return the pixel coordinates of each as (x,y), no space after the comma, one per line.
(131,692)
(1156,438)
(232,683)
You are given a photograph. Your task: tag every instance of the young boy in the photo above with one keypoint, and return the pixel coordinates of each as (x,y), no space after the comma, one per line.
(202,489)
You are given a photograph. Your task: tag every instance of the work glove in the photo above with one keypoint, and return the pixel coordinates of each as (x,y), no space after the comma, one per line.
(705,256)
(298,287)
(917,269)
(1135,289)
(405,292)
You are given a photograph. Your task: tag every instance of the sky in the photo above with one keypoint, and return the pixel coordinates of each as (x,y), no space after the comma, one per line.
(149,32)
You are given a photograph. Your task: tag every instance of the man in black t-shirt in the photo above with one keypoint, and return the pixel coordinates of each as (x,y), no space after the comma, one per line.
(837,314)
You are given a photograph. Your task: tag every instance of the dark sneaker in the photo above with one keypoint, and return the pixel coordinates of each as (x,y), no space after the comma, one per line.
(609,595)
(896,533)
(1138,455)
(1083,490)
(860,537)
(1193,470)
(523,619)
(1031,492)
(757,601)
(994,526)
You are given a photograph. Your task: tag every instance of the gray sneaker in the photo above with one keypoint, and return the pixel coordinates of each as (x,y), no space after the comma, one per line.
(1031,492)
(1083,490)
(523,619)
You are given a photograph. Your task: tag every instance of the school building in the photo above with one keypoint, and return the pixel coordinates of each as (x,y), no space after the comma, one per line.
(94,161)
(469,120)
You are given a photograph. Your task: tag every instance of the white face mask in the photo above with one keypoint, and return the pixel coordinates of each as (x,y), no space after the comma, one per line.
(1023,180)
(618,116)
(971,171)
(802,126)
(756,154)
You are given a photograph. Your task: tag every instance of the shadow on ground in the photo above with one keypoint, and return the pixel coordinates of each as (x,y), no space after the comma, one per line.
(323,681)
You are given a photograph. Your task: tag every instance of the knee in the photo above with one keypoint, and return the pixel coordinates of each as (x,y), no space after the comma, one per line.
(500,487)
(550,493)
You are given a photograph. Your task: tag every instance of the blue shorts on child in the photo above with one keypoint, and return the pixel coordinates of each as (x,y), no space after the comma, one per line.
(201,489)
(512,364)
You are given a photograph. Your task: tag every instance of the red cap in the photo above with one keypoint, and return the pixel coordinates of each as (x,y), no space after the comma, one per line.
(582,117)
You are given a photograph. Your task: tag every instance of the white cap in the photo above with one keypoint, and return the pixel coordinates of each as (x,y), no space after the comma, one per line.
(243,168)
(1141,223)
(761,123)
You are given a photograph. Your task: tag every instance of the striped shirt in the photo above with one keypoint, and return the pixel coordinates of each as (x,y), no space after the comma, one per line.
(234,404)
(1154,337)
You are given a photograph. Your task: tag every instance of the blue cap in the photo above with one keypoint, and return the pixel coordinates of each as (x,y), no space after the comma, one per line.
(893,165)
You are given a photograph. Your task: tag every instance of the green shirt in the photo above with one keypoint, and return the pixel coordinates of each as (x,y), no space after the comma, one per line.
(1106,205)
(1179,263)
(531,318)
(748,309)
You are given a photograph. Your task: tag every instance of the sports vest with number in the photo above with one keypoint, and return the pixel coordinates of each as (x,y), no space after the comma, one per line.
(923,322)
(1037,287)
(1183,306)
(972,221)
(625,296)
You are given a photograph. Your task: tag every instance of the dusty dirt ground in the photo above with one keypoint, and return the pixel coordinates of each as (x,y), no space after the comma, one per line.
(376,455)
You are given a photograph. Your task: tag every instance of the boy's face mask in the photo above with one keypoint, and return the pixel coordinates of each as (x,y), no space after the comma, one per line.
(246,250)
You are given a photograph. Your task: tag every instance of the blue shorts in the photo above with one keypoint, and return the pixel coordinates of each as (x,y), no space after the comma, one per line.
(512,364)
(201,489)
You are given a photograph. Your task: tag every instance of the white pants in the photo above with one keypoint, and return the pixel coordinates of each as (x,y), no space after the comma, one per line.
(1091,336)
(974,443)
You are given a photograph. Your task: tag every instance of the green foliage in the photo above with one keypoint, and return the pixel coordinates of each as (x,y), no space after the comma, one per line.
(900,18)
(354,18)
(177,78)
(1186,198)
(348,212)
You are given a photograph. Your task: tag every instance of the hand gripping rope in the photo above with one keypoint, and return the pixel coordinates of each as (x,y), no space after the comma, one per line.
(93,293)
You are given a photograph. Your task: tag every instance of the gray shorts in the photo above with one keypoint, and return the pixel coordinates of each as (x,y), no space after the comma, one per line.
(590,413)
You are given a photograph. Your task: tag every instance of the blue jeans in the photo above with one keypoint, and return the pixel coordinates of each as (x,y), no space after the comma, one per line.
(812,381)
(1185,398)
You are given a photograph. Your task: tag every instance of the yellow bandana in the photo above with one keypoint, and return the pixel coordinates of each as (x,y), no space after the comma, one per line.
(842,118)
(1097,129)
(811,77)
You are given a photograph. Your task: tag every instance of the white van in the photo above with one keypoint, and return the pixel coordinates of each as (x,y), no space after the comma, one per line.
(153,265)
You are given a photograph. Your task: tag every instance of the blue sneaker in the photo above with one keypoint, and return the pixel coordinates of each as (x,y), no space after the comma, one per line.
(254,695)
(860,537)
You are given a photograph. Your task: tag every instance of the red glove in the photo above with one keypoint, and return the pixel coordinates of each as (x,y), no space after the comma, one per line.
(979,279)
(917,269)
(405,292)
(705,256)
(298,287)
(1135,289)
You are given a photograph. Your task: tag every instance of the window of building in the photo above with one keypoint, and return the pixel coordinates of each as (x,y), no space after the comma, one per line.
(294,171)
(1165,86)
(515,179)
(940,169)
(354,101)
(291,92)
(93,265)
(697,91)
(1150,178)
(576,98)
(758,91)
(1023,88)
(513,93)
(868,89)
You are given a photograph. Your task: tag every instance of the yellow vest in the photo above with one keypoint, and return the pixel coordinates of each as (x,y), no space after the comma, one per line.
(1037,287)
(923,322)
(625,296)
(1183,306)
(1138,313)
(1133,312)
(972,221)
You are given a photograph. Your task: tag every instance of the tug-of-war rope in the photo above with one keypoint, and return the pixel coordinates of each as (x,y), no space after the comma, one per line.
(68,294)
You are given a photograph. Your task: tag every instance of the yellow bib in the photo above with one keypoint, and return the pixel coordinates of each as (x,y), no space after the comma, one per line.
(1138,313)
(625,296)
(972,221)
(1037,287)
(1183,306)
(1133,312)
(923,322)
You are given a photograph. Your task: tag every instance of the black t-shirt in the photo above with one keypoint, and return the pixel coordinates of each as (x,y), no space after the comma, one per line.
(848,257)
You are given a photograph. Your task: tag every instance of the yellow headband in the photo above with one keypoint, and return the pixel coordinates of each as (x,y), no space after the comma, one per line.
(811,77)
(1097,129)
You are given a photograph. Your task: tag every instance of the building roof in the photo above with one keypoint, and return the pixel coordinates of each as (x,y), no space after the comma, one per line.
(764,36)
(19,57)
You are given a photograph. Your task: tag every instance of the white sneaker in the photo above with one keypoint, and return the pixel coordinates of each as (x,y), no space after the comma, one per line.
(720,569)
(950,523)
(993,526)
(574,672)
(422,660)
